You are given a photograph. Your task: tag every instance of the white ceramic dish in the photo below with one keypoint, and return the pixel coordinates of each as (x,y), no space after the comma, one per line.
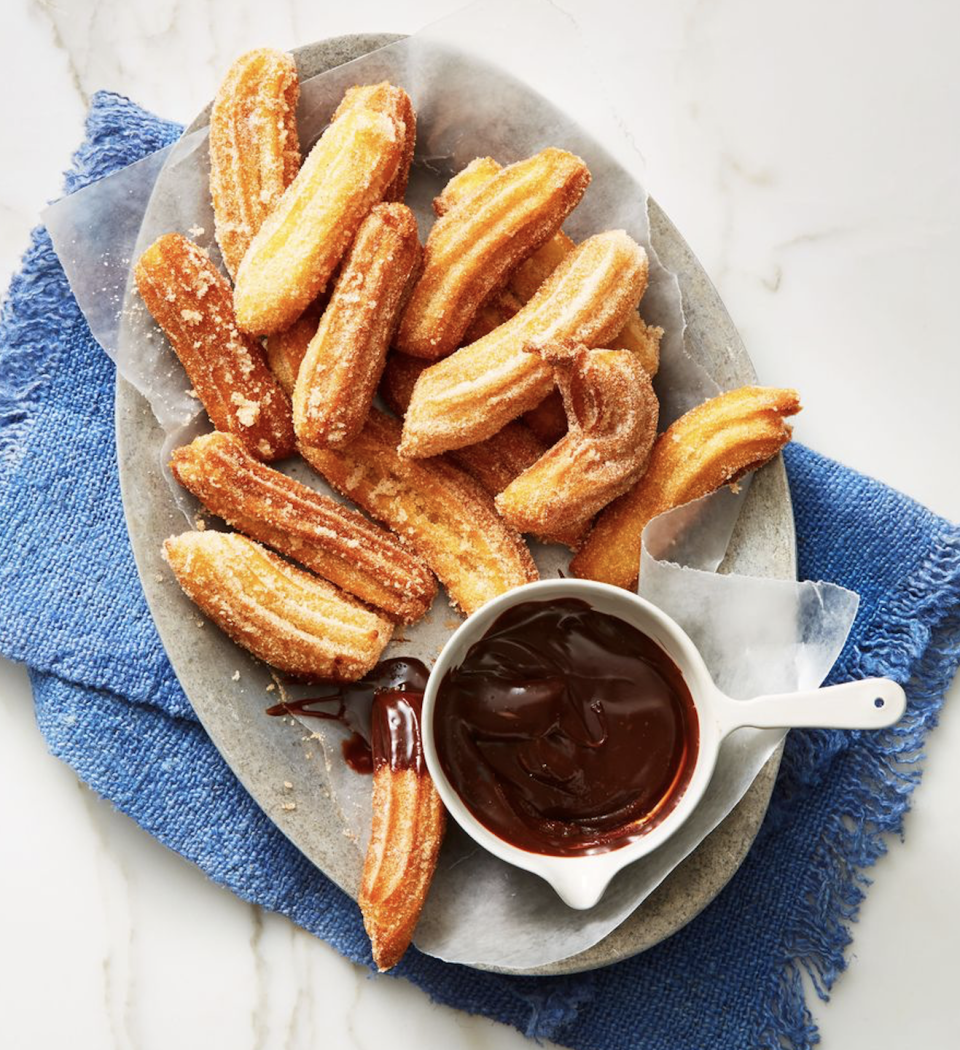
(872,703)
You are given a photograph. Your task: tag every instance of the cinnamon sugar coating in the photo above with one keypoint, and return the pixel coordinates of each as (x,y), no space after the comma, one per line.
(338,544)
(295,251)
(286,350)
(494,462)
(472,249)
(636,336)
(192,302)
(405,838)
(288,618)
(473,393)
(548,420)
(711,445)
(395,103)
(343,363)
(439,511)
(254,149)
(612,412)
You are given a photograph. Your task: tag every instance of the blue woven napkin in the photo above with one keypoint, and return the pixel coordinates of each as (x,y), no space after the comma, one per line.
(71,608)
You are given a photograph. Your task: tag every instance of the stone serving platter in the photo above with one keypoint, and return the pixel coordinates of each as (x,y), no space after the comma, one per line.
(265,753)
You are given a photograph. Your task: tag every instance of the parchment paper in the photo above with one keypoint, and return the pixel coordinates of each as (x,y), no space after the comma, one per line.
(475,91)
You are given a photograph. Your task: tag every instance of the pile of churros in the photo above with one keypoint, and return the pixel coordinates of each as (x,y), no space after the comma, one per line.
(516,373)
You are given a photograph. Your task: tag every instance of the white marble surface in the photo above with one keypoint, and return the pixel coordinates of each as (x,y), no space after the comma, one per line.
(808,154)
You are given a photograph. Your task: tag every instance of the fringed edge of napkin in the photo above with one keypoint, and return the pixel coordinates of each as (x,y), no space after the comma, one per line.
(914,639)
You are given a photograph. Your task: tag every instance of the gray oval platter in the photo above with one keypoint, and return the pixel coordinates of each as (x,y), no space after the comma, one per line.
(265,753)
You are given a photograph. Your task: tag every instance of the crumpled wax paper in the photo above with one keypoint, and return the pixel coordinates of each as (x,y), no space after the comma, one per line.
(481,90)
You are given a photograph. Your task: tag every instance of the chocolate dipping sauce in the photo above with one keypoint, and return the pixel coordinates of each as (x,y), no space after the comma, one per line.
(566,730)
(391,694)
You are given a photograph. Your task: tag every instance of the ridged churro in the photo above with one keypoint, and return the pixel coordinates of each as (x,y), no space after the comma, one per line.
(286,350)
(442,513)
(340,371)
(254,150)
(338,544)
(192,302)
(400,375)
(291,620)
(636,336)
(473,393)
(296,249)
(406,832)
(495,312)
(465,184)
(395,103)
(496,462)
(472,250)
(711,445)
(612,412)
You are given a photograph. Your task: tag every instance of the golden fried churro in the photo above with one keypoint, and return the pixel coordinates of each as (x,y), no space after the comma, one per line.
(612,411)
(477,390)
(285,350)
(336,543)
(400,375)
(395,103)
(494,462)
(639,338)
(642,340)
(495,312)
(254,151)
(548,420)
(472,250)
(465,184)
(406,832)
(289,619)
(296,249)
(712,445)
(443,514)
(342,366)
(191,301)
(499,460)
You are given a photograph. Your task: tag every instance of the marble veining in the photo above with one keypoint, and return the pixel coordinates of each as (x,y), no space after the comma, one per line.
(804,153)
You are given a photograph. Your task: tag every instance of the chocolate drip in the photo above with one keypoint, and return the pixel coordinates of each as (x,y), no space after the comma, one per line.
(400,676)
(566,730)
(395,730)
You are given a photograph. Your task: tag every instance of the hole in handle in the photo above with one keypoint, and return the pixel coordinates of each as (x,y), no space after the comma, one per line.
(878,702)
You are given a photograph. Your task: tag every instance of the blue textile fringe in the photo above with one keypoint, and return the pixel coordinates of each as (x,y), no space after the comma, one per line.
(108,704)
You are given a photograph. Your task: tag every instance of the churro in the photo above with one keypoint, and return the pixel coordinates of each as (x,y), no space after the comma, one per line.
(612,412)
(395,103)
(472,250)
(442,513)
(548,420)
(254,150)
(474,392)
(495,462)
(191,301)
(636,336)
(340,371)
(465,184)
(406,831)
(711,445)
(493,313)
(289,619)
(296,249)
(338,544)
(286,350)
